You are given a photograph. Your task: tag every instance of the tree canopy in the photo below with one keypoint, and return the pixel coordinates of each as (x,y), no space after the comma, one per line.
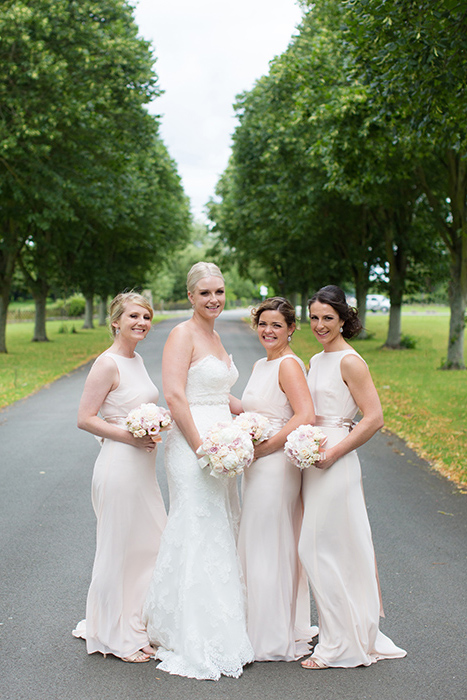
(88,192)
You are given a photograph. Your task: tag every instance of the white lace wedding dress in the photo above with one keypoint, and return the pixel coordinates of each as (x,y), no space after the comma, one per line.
(195,608)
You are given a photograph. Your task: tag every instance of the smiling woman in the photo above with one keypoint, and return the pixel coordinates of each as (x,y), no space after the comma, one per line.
(125,494)
(195,609)
(335,544)
(277,591)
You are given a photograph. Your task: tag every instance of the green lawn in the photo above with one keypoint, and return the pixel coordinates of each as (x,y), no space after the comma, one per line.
(27,366)
(422,404)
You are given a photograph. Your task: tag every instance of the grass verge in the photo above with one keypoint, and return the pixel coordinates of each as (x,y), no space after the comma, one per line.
(28,366)
(424,405)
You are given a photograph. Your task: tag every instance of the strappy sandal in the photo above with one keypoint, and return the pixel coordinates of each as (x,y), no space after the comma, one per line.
(313,663)
(139,657)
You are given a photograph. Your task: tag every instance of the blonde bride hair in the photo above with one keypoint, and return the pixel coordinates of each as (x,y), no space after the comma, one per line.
(199,271)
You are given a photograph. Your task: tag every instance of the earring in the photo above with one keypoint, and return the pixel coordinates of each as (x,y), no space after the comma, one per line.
(117,331)
(341,330)
(289,338)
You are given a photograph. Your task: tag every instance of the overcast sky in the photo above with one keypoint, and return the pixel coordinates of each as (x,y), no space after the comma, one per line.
(207,52)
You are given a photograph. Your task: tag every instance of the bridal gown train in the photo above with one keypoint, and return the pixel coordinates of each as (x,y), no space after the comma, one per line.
(336,546)
(195,609)
(277,589)
(130,516)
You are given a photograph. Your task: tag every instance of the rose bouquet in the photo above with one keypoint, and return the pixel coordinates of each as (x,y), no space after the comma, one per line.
(148,419)
(302,446)
(227,449)
(256,425)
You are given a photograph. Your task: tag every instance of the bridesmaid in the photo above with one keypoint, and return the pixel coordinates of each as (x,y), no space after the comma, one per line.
(335,545)
(278,624)
(125,494)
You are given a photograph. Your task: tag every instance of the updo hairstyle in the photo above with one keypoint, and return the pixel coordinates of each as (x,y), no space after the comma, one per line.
(199,271)
(117,307)
(275,304)
(335,297)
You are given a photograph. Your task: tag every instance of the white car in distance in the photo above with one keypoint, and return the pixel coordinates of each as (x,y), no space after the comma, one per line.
(377,302)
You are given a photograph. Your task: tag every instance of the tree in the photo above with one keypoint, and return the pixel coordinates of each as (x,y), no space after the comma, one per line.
(75,81)
(413,55)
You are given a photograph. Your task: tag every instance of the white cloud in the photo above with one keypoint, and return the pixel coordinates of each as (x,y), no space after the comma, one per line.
(207,52)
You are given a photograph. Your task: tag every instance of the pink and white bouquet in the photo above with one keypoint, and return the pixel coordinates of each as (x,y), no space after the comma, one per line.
(227,449)
(256,425)
(148,419)
(302,446)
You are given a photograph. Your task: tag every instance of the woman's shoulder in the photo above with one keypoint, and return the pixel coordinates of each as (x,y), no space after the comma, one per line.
(353,364)
(181,333)
(296,364)
(293,357)
(351,356)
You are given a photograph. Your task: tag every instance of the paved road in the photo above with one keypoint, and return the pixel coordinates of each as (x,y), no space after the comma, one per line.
(47,544)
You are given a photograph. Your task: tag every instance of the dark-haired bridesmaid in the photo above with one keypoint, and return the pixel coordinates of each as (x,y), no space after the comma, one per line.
(336,546)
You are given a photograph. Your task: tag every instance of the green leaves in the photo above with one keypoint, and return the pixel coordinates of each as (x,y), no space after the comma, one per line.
(81,162)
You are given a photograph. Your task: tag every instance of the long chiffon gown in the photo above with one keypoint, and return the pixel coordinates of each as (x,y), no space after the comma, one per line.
(195,609)
(130,516)
(277,590)
(336,546)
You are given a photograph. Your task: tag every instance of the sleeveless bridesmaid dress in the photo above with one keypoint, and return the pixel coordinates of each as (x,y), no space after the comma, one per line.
(277,590)
(336,546)
(130,516)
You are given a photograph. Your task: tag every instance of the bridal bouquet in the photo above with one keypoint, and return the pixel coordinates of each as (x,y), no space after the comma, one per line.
(256,425)
(148,419)
(302,446)
(227,449)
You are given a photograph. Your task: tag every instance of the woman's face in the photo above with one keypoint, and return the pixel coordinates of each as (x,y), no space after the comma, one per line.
(325,323)
(134,323)
(208,298)
(273,331)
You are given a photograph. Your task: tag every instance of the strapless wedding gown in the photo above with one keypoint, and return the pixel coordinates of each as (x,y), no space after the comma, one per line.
(195,609)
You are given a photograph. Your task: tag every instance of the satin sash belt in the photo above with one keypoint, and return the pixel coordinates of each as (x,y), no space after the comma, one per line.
(334,422)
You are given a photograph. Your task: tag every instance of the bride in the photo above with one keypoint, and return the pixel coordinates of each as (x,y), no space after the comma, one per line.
(195,610)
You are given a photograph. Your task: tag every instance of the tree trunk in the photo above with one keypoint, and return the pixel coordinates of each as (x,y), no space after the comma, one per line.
(9,251)
(89,312)
(393,339)
(40,332)
(396,252)
(454,235)
(102,311)
(457,169)
(4,300)
(457,303)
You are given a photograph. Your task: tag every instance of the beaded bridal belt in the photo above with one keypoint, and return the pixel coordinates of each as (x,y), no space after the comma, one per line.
(334,422)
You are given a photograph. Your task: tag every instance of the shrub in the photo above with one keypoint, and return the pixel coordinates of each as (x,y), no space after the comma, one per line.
(75,305)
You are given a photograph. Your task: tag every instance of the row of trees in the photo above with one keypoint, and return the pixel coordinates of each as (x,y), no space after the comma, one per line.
(351,155)
(90,199)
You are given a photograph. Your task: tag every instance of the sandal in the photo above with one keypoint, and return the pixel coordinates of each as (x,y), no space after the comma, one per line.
(313,663)
(139,657)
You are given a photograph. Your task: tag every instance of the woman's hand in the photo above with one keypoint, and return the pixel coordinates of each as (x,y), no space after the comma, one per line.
(262,449)
(326,457)
(147,442)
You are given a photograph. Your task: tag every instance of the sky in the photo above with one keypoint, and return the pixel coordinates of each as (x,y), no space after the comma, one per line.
(209,51)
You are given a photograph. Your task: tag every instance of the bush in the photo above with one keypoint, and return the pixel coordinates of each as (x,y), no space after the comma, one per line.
(75,305)
(408,342)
